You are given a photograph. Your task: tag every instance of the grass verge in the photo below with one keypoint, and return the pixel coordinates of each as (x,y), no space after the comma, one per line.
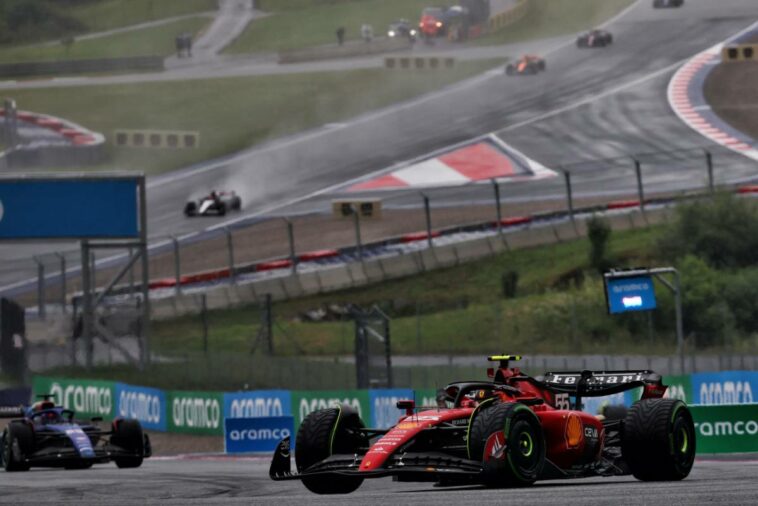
(232,114)
(158,40)
(109,14)
(452,311)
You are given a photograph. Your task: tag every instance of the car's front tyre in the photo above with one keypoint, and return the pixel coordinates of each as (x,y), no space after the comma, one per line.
(508,438)
(17,443)
(323,433)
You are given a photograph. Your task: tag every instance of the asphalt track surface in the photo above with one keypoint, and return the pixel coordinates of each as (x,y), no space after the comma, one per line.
(589,104)
(226,481)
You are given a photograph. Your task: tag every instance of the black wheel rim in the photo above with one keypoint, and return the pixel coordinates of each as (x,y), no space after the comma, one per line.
(525,450)
(683,438)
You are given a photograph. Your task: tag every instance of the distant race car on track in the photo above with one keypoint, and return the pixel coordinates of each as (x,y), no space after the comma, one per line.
(46,435)
(595,38)
(658,4)
(214,204)
(507,432)
(526,65)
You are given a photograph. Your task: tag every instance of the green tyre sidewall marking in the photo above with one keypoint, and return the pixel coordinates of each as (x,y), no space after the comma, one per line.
(334,430)
(672,447)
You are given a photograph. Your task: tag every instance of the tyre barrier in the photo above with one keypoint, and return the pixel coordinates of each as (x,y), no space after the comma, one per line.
(165,139)
(739,53)
(368,208)
(419,62)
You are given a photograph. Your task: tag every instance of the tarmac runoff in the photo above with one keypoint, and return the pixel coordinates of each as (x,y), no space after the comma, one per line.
(214,479)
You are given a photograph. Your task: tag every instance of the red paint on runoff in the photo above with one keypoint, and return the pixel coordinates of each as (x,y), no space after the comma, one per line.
(479,161)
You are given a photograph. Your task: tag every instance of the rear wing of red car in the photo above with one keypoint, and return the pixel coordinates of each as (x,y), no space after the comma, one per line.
(600,383)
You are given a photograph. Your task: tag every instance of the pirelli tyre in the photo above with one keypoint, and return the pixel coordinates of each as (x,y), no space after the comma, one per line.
(190,209)
(16,442)
(510,70)
(127,435)
(508,438)
(659,440)
(323,433)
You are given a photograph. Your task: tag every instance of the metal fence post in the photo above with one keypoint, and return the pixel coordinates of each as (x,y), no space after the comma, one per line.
(357,224)
(709,165)
(640,188)
(498,209)
(570,200)
(428,214)
(291,239)
(177,266)
(64,289)
(230,248)
(40,288)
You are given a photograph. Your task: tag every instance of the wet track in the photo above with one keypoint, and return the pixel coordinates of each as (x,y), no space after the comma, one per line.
(227,481)
(589,104)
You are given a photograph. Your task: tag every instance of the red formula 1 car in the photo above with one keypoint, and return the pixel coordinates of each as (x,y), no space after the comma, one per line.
(510,431)
(526,65)
(594,38)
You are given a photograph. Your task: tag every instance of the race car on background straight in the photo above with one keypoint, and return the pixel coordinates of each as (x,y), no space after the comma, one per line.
(526,65)
(659,4)
(402,28)
(213,204)
(594,38)
(507,432)
(46,435)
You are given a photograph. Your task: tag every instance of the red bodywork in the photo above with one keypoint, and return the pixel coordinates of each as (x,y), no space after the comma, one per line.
(431,24)
(563,447)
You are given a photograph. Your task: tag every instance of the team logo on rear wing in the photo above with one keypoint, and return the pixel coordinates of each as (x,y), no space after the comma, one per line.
(569,379)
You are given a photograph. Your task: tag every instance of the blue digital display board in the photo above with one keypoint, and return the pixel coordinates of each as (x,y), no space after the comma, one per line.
(625,294)
(68,208)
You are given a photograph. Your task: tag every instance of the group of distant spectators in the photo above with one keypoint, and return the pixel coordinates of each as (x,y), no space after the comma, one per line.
(367,33)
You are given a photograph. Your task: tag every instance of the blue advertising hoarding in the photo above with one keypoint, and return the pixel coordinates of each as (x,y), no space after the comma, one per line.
(257,403)
(148,405)
(252,435)
(728,387)
(68,208)
(625,294)
(383,403)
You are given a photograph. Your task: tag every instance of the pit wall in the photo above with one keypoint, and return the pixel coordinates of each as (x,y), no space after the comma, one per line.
(723,405)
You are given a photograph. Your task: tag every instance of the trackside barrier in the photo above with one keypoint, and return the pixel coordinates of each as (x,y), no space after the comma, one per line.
(166,139)
(726,429)
(739,53)
(419,62)
(725,414)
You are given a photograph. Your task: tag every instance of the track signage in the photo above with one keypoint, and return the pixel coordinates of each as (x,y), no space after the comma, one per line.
(69,208)
(726,429)
(251,435)
(626,294)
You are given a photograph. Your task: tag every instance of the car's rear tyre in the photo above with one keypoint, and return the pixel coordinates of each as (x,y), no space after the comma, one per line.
(127,435)
(236,204)
(524,442)
(659,440)
(17,443)
(190,209)
(222,209)
(510,70)
(323,433)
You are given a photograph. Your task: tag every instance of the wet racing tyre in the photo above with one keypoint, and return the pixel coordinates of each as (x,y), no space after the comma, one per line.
(127,435)
(323,433)
(508,438)
(17,443)
(190,209)
(659,440)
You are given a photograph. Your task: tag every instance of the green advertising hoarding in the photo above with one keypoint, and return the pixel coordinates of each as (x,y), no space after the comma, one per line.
(195,412)
(727,428)
(305,402)
(426,398)
(88,398)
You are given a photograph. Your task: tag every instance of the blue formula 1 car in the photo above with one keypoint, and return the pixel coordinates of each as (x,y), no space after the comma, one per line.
(46,435)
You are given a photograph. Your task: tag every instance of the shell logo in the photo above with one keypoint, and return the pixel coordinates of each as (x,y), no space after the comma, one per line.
(573,431)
